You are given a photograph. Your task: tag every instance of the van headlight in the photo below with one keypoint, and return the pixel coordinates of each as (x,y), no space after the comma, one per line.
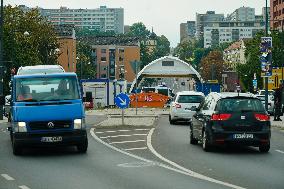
(77,123)
(21,127)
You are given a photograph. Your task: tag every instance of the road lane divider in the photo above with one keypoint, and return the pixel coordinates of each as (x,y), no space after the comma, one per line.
(183,169)
(7,177)
(280,151)
(130,141)
(24,187)
(131,149)
(188,173)
(116,136)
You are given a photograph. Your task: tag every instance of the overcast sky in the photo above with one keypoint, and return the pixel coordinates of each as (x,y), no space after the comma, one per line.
(164,16)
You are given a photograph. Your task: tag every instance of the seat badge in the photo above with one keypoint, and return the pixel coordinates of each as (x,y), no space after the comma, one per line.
(243,117)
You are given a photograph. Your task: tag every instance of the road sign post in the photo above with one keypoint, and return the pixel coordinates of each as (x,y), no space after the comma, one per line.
(122,101)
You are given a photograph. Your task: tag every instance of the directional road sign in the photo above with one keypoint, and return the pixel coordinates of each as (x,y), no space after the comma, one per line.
(122,100)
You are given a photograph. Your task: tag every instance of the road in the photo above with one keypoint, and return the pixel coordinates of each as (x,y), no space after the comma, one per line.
(245,167)
(102,167)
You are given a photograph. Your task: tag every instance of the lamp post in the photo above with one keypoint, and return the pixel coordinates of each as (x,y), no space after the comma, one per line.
(1,58)
(266,34)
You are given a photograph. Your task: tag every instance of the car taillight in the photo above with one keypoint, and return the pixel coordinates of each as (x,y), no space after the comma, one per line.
(177,105)
(220,117)
(262,117)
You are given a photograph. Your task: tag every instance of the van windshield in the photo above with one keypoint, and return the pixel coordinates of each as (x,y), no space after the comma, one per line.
(46,89)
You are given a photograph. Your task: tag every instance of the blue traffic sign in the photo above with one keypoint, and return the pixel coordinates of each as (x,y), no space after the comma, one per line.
(122,101)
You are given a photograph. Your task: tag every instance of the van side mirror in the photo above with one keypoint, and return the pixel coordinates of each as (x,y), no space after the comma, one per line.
(2,100)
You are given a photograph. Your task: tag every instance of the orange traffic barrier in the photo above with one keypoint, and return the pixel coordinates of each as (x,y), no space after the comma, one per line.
(151,100)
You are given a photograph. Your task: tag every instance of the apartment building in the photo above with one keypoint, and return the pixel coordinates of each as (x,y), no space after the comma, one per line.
(277,14)
(187,31)
(102,19)
(113,56)
(226,32)
(242,14)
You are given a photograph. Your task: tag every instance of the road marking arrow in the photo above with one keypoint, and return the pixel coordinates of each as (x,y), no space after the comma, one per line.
(122,101)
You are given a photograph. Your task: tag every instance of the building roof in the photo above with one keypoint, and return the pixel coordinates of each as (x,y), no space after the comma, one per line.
(111,40)
(234,46)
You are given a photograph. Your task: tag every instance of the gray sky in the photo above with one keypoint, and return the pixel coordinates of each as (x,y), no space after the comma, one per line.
(163,15)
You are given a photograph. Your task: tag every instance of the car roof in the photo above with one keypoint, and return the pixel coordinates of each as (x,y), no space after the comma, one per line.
(63,74)
(39,69)
(231,94)
(189,93)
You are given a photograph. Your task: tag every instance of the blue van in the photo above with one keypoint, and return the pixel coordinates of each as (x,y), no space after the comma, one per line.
(47,110)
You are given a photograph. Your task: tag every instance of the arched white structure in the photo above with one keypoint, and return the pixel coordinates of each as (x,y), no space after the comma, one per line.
(165,67)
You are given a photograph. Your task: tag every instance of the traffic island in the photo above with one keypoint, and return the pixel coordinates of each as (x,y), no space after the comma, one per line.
(115,121)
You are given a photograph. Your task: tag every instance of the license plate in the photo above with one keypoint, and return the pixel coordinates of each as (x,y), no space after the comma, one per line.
(243,136)
(51,139)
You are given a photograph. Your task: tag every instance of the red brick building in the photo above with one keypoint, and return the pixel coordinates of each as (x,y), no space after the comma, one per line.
(277,14)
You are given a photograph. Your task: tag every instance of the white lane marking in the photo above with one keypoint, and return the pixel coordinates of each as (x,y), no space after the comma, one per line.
(141,129)
(7,177)
(24,187)
(92,131)
(280,151)
(116,136)
(131,149)
(190,172)
(130,141)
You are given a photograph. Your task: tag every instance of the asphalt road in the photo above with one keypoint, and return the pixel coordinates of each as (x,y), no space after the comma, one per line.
(102,168)
(245,167)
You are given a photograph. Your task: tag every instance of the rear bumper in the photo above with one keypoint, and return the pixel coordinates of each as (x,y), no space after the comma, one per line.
(259,138)
(186,116)
(34,139)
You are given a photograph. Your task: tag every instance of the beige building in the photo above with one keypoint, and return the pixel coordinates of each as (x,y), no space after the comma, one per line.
(67,49)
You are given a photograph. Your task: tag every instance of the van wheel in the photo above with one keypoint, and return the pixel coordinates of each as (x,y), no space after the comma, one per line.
(205,142)
(17,150)
(82,148)
(264,148)
(192,139)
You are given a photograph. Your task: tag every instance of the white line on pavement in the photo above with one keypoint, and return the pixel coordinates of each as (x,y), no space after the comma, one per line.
(130,141)
(7,177)
(142,129)
(24,187)
(149,161)
(190,172)
(131,149)
(280,151)
(116,136)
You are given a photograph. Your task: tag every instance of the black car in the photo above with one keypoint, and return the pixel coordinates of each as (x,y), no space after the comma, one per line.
(231,118)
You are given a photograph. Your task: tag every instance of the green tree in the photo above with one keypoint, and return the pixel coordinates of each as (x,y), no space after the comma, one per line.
(38,47)
(185,50)
(139,30)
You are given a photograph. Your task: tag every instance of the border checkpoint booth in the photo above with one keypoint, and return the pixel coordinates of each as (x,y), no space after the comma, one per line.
(164,67)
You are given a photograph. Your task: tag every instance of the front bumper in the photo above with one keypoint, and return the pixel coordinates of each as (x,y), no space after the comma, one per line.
(34,139)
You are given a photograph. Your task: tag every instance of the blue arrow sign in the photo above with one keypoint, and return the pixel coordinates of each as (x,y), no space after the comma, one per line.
(122,101)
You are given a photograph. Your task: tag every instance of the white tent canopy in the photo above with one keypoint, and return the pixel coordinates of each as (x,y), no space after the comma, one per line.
(165,67)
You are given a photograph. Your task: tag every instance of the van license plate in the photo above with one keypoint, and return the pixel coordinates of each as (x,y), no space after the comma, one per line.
(51,139)
(243,136)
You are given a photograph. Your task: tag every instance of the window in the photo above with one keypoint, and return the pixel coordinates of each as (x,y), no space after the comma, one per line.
(190,99)
(239,105)
(103,58)
(103,50)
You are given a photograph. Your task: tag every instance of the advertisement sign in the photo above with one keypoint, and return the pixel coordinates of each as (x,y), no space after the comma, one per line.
(266,56)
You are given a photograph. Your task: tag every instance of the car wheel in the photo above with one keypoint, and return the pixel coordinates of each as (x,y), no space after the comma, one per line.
(264,148)
(192,139)
(171,121)
(17,150)
(82,148)
(205,142)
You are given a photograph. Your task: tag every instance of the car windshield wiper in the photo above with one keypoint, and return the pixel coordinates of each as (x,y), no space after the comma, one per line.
(246,111)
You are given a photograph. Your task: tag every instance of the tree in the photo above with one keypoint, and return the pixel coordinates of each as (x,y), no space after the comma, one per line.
(185,50)
(20,49)
(139,30)
(212,66)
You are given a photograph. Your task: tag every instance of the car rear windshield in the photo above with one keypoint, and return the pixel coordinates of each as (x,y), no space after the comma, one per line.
(190,99)
(240,105)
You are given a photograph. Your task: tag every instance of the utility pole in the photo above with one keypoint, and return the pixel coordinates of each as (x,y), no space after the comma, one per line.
(266,78)
(1,58)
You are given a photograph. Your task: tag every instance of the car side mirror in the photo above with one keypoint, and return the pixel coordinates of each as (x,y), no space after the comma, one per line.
(2,100)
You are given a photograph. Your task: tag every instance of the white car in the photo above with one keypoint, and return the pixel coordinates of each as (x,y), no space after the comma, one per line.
(270,103)
(182,103)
